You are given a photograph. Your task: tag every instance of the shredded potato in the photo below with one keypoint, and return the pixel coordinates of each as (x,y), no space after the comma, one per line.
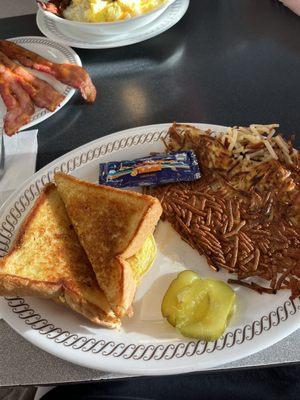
(243,214)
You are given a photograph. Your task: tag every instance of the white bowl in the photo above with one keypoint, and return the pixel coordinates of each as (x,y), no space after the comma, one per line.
(108,28)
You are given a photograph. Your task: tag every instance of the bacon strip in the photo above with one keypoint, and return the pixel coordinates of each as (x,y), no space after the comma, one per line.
(18,103)
(55,6)
(42,94)
(70,74)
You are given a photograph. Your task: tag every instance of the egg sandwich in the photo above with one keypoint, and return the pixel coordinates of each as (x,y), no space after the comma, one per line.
(114,228)
(46,260)
(86,246)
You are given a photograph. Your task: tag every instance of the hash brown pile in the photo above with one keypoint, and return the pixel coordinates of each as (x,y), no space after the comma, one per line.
(244,213)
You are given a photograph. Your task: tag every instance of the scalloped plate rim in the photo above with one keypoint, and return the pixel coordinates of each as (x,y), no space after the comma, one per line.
(130,366)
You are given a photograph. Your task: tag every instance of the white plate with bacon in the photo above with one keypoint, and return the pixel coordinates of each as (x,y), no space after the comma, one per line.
(266,252)
(38,76)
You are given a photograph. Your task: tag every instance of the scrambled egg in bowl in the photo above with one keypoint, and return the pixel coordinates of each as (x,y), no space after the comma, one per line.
(109,10)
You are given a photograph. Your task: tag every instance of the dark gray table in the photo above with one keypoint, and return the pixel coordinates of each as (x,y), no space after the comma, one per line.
(227,62)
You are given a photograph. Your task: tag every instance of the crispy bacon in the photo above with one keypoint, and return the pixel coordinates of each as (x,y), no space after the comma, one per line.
(70,74)
(55,6)
(42,94)
(18,103)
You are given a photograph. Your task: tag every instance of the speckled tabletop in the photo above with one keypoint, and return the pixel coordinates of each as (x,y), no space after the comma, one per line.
(223,63)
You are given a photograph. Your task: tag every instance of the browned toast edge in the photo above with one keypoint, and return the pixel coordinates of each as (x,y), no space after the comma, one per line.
(19,286)
(147,225)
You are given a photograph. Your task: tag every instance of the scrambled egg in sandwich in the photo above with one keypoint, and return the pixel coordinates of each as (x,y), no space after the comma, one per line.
(108,10)
(142,261)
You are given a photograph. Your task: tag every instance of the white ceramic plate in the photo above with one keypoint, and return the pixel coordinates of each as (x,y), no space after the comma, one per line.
(50,28)
(146,344)
(55,52)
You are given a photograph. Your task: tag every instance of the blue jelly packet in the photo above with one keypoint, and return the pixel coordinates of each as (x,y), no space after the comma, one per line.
(156,169)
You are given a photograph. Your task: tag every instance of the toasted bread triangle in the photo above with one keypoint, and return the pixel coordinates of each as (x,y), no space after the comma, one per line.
(47,261)
(111,225)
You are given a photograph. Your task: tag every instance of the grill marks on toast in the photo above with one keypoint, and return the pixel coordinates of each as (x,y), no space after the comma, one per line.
(47,260)
(111,225)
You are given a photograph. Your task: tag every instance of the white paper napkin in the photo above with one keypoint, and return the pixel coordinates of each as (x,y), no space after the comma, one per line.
(20,158)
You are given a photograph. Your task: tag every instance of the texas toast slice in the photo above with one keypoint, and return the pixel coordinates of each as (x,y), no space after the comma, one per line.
(112,226)
(47,261)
